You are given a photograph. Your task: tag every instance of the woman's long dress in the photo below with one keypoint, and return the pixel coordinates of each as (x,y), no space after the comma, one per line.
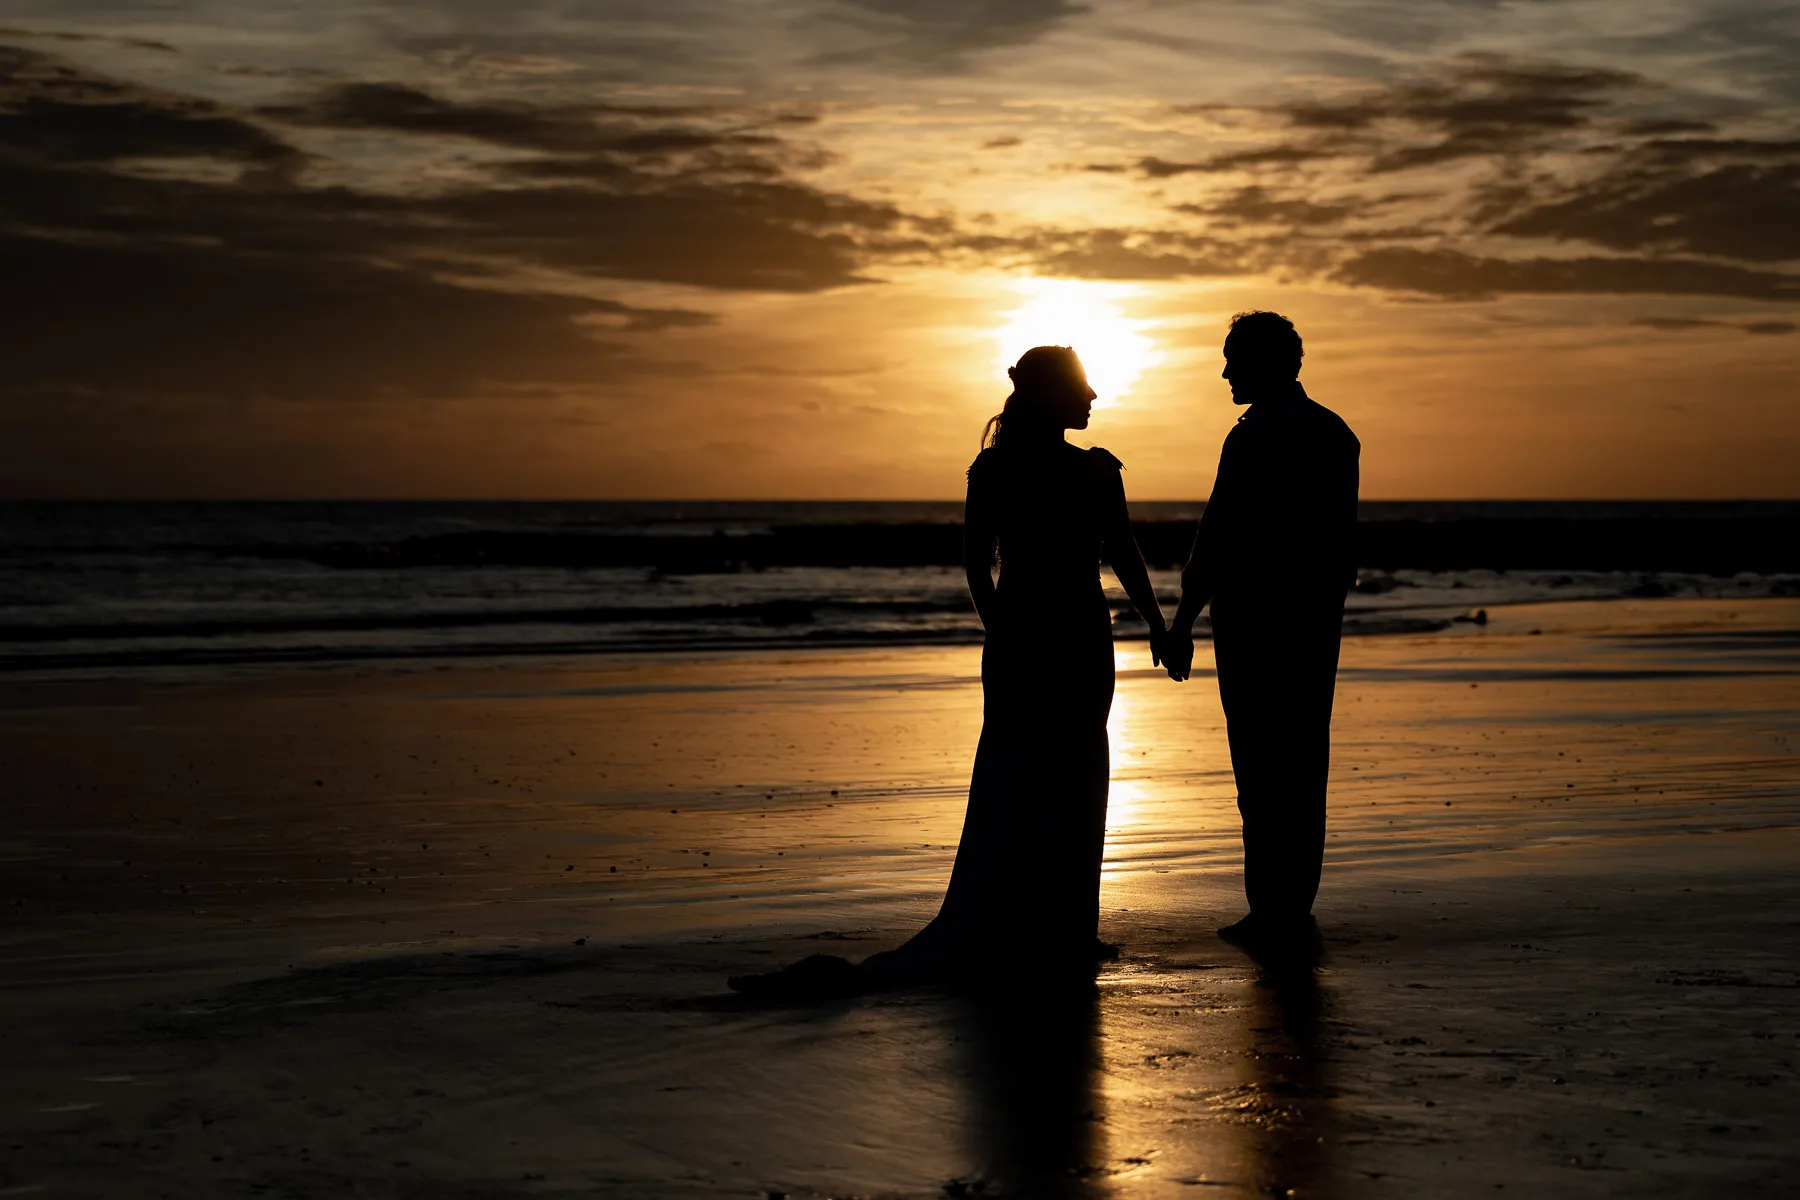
(1025,891)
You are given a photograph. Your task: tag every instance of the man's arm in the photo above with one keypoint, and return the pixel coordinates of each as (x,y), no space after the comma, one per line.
(1199,579)
(1352,485)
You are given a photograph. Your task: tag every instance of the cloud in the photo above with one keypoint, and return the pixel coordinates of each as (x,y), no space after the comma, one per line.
(1665,126)
(1258,206)
(1106,253)
(159,242)
(1660,200)
(1500,156)
(1679,324)
(1280,156)
(695,196)
(551,128)
(1476,105)
(1454,275)
(1673,324)
(61,35)
(943,34)
(1123,254)
(757,236)
(163,320)
(228,273)
(1472,106)
(56,113)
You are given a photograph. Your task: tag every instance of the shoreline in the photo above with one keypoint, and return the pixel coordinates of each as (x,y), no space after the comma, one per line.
(210,659)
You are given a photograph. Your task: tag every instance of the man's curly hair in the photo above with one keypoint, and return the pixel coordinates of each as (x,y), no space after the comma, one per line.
(1266,337)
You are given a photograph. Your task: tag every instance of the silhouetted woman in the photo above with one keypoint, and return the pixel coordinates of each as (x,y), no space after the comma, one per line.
(1025,891)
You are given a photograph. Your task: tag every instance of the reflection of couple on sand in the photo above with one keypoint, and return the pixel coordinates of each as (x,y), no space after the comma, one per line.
(1273,558)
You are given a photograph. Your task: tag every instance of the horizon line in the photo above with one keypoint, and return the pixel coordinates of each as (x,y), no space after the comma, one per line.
(15,500)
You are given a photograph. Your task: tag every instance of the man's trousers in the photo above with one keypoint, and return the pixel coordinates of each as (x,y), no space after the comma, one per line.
(1277,675)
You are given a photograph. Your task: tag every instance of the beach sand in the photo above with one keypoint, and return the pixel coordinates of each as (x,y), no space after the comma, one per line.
(465,932)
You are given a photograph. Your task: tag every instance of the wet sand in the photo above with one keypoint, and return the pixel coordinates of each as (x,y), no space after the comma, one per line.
(465,932)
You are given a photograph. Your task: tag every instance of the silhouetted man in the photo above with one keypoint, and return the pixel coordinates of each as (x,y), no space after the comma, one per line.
(1273,555)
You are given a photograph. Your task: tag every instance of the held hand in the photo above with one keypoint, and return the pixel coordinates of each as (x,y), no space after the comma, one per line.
(1178,655)
(1157,643)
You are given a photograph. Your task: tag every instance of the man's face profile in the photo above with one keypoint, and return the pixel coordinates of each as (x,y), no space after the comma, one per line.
(1252,372)
(1248,378)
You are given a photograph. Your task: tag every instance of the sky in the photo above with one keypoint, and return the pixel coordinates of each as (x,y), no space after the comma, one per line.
(747,249)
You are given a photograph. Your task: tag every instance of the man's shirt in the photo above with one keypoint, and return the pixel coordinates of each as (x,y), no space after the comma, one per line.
(1278,531)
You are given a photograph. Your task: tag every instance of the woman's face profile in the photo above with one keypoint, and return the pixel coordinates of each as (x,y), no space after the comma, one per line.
(1075,401)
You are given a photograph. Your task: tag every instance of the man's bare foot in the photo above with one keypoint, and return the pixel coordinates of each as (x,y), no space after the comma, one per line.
(1261,935)
(816,977)
(1245,930)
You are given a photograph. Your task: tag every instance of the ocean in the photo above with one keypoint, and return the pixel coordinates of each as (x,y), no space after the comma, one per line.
(126,587)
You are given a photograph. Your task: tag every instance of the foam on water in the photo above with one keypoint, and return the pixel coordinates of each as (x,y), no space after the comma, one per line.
(111,587)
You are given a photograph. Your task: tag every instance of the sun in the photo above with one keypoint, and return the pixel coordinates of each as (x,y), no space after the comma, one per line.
(1116,349)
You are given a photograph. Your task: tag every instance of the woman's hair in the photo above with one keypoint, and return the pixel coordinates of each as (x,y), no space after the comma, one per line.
(1034,378)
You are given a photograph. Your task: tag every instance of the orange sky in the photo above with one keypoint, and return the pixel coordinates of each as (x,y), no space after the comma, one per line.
(707,249)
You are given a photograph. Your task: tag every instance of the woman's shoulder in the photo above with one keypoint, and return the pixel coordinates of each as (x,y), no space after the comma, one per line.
(988,468)
(985,462)
(1102,459)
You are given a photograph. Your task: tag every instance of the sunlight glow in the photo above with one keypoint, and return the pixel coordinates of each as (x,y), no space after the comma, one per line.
(1116,349)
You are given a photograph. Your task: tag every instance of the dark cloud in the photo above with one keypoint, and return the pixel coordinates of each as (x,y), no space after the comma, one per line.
(398,108)
(1546,154)
(1473,106)
(156,242)
(1116,254)
(943,33)
(59,35)
(1695,151)
(228,273)
(1108,253)
(1476,106)
(56,113)
(1279,156)
(626,192)
(555,129)
(1674,324)
(1259,206)
(777,236)
(164,320)
(1655,201)
(1678,324)
(1454,275)
(1475,94)
(1666,127)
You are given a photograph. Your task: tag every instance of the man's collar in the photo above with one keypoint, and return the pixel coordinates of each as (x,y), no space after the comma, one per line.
(1279,398)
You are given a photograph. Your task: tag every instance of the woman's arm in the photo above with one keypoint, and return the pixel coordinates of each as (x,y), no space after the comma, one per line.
(978,565)
(1128,564)
(978,556)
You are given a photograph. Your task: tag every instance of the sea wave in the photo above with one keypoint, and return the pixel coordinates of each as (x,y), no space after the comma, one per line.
(123,587)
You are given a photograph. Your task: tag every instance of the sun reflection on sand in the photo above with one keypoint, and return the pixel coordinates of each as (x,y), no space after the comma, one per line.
(1115,348)
(1126,796)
